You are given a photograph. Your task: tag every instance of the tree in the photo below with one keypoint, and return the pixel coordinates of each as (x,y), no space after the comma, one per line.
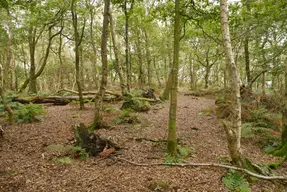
(104,50)
(171,139)
(233,131)
(35,32)
(127,12)
(116,52)
(78,37)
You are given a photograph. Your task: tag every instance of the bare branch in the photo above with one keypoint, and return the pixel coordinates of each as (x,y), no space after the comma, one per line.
(191,164)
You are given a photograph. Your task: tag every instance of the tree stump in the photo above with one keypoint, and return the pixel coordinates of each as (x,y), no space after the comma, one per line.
(92,143)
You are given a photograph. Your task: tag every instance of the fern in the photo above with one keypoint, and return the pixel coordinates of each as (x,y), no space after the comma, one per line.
(235,182)
(125,117)
(29,113)
(250,130)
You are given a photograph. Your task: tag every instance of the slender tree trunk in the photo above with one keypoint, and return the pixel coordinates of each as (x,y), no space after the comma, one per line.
(148,56)
(61,69)
(10,61)
(191,72)
(246,3)
(32,49)
(77,53)
(233,131)
(284,112)
(82,68)
(94,56)
(206,76)
(141,71)
(172,139)
(116,52)
(247,60)
(156,72)
(128,72)
(166,92)
(263,83)
(104,50)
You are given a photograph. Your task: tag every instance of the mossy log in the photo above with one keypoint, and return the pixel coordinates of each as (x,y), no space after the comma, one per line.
(108,92)
(60,100)
(92,143)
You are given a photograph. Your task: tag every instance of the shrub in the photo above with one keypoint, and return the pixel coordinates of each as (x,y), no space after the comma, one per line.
(29,113)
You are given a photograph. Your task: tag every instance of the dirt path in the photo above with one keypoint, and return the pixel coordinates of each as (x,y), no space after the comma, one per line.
(27,165)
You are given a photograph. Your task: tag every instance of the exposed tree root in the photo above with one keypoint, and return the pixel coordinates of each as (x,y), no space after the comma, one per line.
(190,164)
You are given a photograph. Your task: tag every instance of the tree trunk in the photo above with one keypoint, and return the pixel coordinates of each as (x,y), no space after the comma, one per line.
(104,56)
(148,56)
(140,59)
(284,112)
(246,3)
(157,73)
(191,72)
(128,72)
(116,52)
(166,92)
(171,139)
(10,62)
(32,49)
(94,56)
(61,68)
(233,131)
(77,40)
(206,76)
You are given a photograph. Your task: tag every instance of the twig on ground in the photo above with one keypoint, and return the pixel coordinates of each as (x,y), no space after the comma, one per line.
(190,164)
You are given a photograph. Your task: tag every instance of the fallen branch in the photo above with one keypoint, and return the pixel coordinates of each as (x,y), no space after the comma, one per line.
(90,92)
(190,164)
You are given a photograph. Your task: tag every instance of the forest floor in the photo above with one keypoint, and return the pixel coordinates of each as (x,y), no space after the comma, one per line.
(27,165)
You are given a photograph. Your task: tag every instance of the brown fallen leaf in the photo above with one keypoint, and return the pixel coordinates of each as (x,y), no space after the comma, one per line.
(107,152)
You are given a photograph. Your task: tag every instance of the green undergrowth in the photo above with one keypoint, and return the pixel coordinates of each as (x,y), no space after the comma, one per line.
(65,153)
(135,104)
(234,181)
(125,116)
(182,153)
(29,113)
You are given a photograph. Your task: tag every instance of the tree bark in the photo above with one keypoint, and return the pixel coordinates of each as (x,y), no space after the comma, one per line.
(94,56)
(140,62)
(284,112)
(32,50)
(233,131)
(156,72)
(116,52)
(78,41)
(171,139)
(10,61)
(148,56)
(104,50)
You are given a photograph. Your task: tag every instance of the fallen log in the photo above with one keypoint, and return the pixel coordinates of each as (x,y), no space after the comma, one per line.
(90,92)
(59,100)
